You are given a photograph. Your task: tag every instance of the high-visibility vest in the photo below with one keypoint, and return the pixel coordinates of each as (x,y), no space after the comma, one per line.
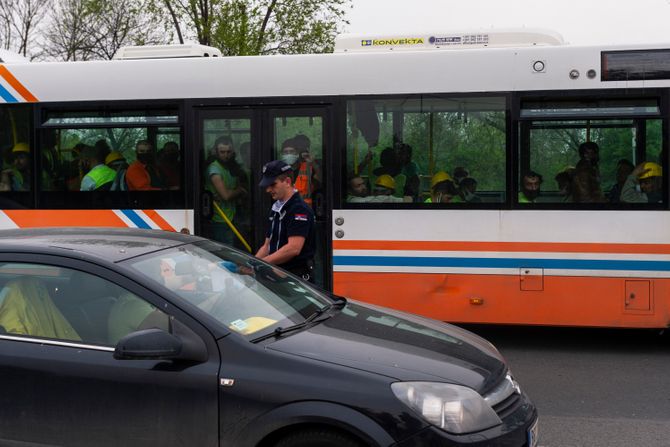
(303,182)
(101,175)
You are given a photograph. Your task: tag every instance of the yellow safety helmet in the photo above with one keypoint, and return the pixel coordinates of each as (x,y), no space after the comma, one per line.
(386,181)
(439,177)
(21,147)
(114,156)
(654,170)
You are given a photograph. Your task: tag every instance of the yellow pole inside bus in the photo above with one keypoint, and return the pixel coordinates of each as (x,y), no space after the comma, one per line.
(220,212)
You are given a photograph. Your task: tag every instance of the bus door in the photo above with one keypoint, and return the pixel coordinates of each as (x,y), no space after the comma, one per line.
(228,188)
(299,137)
(256,137)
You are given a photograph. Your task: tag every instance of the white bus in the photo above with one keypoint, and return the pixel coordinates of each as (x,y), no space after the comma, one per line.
(500,109)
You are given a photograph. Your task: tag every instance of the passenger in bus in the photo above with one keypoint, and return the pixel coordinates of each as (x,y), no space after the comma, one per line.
(623,170)
(564,183)
(142,174)
(459,174)
(224,179)
(586,186)
(169,165)
(296,153)
(442,189)
(383,192)
(103,147)
(116,161)
(99,176)
(589,158)
(388,163)
(17,178)
(72,168)
(649,176)
(358,187)
(467,190)
(530,187)
(409,169)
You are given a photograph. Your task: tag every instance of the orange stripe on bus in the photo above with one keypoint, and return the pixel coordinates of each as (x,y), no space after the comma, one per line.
(568,247)
(64,218)
(560,301)
(16,85)
(158,219)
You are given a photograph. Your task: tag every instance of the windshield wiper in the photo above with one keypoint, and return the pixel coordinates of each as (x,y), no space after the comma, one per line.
(316,314)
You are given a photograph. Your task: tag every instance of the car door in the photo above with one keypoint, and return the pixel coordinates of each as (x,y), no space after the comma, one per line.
(59,381)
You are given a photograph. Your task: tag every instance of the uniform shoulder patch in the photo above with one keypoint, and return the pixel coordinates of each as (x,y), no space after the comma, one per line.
(301,216)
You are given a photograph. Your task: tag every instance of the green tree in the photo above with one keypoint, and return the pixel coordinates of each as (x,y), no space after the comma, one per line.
(96,29)
(19,23)
(255,27)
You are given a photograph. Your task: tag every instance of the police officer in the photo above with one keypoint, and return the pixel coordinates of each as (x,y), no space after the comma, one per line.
(290,241)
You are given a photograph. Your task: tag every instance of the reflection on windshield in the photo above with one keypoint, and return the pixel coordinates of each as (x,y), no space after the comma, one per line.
(245,294)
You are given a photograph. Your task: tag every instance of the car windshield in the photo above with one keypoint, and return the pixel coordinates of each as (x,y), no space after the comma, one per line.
(245,294)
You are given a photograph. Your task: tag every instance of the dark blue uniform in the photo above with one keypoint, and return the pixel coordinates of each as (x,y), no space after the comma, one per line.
(294,218)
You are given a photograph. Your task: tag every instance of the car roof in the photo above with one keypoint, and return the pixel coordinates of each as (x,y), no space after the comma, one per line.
(108,244)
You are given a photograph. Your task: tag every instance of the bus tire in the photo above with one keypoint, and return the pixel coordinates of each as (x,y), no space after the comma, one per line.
(318,437)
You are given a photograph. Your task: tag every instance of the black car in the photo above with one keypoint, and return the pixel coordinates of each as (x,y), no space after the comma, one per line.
(145,338)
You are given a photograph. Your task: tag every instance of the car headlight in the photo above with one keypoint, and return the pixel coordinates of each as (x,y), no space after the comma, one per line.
(453,408)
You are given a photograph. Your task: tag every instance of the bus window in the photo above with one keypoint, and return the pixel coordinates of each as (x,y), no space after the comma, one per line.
(588,159)
(16,149)
(135,152)
(16,152)
(420,149)
(298,140)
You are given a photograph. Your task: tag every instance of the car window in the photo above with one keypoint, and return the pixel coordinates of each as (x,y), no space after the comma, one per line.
(58,303)
(245,294)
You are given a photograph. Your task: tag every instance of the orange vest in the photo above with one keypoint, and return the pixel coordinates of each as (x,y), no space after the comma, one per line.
(303,182)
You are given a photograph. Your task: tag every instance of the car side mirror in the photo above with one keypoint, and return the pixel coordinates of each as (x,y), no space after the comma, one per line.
(148,344)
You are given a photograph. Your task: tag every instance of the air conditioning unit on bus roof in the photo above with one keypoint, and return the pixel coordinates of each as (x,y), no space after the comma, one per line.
(166,51)
(484,38)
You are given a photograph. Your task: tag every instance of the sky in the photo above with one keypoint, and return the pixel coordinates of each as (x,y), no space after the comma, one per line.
(578,21)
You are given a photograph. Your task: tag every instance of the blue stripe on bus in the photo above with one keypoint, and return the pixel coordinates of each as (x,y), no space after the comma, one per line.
(4,93)
(136,219)
(557,264)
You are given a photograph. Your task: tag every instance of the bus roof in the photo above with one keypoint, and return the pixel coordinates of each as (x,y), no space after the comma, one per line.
(462,70)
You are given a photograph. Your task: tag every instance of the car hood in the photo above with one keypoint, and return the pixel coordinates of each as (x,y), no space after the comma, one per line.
(398,345)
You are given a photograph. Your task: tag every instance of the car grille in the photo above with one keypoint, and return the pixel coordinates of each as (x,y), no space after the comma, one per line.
(504,398)
(508,406)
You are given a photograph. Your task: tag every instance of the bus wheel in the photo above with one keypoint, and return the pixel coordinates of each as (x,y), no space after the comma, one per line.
(318,437)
